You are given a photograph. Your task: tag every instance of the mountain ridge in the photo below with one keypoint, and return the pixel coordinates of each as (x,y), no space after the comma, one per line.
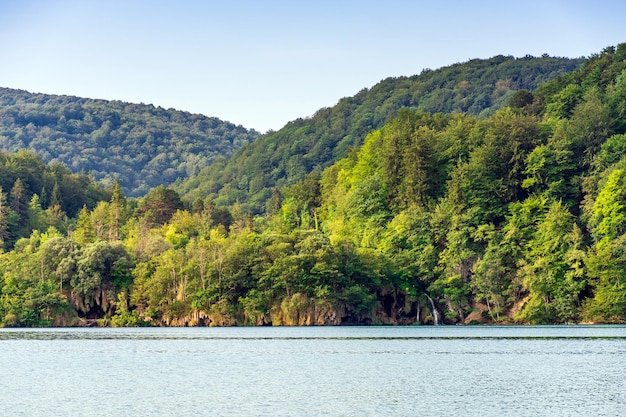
(145,146)
(305,145)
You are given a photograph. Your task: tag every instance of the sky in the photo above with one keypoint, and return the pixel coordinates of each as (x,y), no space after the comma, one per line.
(263,63)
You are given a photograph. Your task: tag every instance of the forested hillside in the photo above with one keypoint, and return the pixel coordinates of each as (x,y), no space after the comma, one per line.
(34,196)
(478,87)
(517,217)
(143,145)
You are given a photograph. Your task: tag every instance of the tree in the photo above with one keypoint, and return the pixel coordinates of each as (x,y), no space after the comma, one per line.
(55,198)
(607,257)
(19,201)
(159,205)
(521,99)
(419,172)
(117,205)
(305,195)
(494,271)
(100,220)
(102,269)
(221,215)
(84,232)
(478,185)
(408,244)
(549,170)
(58,259)
(550,270)
(607,273)
(512,136)
(454,269)
(36,216)
(4,222)
(609,211)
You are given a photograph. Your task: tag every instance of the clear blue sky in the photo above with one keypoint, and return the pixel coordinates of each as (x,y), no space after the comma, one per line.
(263,63)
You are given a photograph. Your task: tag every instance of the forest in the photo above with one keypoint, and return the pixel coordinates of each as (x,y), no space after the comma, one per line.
(142,145)
(516,215)
(278,159)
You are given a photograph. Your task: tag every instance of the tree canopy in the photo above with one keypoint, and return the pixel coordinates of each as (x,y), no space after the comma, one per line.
(142,145)
(478,87)
(518,216)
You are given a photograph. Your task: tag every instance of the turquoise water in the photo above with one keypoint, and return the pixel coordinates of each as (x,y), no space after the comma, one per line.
(315,371)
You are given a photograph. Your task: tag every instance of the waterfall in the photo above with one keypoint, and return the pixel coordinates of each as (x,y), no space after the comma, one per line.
(434,310)
(417,315)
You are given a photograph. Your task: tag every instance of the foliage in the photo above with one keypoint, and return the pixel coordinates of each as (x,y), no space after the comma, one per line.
(282,158)
(25,183)
(517,216)
(142,145)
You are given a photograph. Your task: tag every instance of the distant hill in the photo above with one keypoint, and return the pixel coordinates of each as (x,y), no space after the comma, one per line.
(144,145)
(478,87)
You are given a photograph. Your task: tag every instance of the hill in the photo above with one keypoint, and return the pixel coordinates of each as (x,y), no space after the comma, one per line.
(520,216)
(143,145)
(516,217)
(35,195)
(478,87)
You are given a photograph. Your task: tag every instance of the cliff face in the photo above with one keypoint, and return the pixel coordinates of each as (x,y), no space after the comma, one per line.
(300,310)
(108,307)
(297,310)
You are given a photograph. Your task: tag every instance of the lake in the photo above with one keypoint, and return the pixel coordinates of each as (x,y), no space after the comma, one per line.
(315,371)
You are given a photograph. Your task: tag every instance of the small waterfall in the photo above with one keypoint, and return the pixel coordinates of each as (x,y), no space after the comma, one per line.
(417,315)
(434,310)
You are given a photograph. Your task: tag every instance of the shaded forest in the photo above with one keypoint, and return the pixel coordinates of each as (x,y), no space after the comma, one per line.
(144,146)
(516,216)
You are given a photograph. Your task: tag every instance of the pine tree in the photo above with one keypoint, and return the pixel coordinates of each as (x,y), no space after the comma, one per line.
(55,198)
(18,201)
(43,197)
(84,232)
(118,203)
(36,215)
(4,212)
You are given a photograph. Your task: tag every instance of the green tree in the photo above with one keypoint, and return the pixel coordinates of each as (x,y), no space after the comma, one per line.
(4,221)
(19,203)
(159,205)
(609,211)
(58,260)
(84,233)
(117,206)
(521,99)
(102,269)
(457,256)
(606,259)
(408,243)
(494,271)
(478,185)
(36,216)
(550,169)
(551,270)
(55,197)
(607,271)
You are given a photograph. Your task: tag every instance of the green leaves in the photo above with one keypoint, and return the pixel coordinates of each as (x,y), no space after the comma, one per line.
(607,272)
(551,270)
(609,211)
(519,215)
(477,87)
(141,145)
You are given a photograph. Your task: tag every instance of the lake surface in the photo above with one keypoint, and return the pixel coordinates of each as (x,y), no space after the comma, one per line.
(315,371)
